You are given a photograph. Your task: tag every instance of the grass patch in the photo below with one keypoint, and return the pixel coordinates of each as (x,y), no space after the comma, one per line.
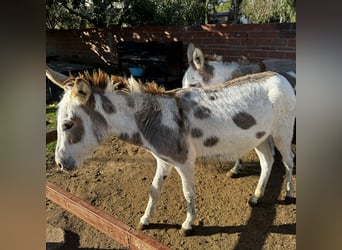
(51,124)
(51,121)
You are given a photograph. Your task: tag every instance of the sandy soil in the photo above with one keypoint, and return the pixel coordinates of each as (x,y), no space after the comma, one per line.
(117,179)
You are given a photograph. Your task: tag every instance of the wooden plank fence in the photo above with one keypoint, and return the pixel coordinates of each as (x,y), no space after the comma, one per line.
(102,221)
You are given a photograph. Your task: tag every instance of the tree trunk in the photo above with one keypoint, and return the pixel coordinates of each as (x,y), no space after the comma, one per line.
(236,10)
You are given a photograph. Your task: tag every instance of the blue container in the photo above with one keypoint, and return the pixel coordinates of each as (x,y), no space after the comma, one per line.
(136,71)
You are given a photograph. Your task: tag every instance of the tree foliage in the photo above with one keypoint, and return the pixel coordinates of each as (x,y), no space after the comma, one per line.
(180,12)
(85,13)
(259,11)
(73,14)
(58,17)
(265,11)
(223,5)
(165,12)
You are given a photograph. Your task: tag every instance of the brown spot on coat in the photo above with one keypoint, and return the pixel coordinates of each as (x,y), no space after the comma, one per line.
(244,120)
(124,136)
(211,141)
(166,141)
(130,101)
(260,134)
(187,95)
(76,132)
(202,112)
(134,139)
(99,123)
(212,97)
(196,133)
(107,105)
(207,72)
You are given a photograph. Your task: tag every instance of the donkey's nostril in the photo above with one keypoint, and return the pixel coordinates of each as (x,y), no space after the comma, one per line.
(60,166)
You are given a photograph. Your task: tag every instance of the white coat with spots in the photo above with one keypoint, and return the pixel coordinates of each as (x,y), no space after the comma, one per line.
(178,126)
(211,70)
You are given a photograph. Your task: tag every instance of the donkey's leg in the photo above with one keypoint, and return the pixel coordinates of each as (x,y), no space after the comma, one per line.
(264,152)
(186,173)
(271,143)
(234,172)
(284,147)
(163,169)
(282,138)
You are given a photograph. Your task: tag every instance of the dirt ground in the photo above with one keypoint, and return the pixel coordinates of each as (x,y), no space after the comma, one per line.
(117,179)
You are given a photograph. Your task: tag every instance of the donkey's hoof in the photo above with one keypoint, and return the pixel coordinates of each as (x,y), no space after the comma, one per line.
(185,232)
(141,226)
(290,200)
(253,201)
(233,175)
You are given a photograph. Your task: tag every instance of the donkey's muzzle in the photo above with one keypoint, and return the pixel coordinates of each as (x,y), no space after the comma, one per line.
(66,164)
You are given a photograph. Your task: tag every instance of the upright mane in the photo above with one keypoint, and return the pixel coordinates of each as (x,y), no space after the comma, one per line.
(96,79)
(100,79)
(154,89)
(245,79)
(249,78)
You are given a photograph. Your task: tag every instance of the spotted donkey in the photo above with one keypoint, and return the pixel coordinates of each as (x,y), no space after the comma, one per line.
(207,70)
(177,126)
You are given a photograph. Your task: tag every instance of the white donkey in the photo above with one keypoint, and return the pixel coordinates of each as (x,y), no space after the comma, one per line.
(207,70)
(177,126)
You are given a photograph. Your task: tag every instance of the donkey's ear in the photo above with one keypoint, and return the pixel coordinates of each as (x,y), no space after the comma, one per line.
(56,77)
(190,52)
(198,58)
(81,91)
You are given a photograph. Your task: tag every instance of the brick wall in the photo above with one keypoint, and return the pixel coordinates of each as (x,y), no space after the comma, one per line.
(254,41)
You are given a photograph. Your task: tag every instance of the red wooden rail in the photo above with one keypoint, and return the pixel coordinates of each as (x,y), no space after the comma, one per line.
(102,221)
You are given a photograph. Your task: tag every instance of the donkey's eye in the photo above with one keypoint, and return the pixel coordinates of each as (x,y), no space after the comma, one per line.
(67,125)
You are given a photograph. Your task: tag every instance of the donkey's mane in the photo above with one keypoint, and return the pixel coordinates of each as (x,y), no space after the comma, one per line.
(154,89)
(96,79)
(245,79)
(99,79)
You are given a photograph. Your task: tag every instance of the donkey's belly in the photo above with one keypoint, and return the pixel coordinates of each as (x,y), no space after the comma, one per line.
(234,129)
(229,147)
